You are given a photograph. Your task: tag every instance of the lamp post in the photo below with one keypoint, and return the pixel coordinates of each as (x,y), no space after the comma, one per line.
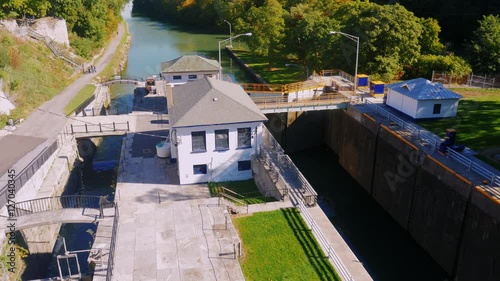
(355,39)
(303,66)
(230,40)
(224,41)
(120,71)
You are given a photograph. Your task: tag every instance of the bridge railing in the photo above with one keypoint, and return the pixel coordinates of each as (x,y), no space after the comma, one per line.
(263,88)
(121,77)
(46,204)
(302,86)
(430,138)
(282,102)
(99,128)
(25,174)
(337,72)
(114,233)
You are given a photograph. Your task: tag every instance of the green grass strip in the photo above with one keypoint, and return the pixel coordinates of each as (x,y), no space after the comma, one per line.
(82,96)
(279,246)
(247,188)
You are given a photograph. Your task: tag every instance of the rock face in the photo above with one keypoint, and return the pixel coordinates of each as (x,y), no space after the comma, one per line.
(54,28)
(5,105)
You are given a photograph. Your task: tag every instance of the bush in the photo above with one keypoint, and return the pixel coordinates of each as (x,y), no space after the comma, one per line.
(425,64)
(82,46)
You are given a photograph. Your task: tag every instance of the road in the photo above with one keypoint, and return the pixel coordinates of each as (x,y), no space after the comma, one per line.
(42,127)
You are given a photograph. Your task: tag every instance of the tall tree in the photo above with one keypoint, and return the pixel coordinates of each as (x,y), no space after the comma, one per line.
(389,37)
(485,47)
(267,25)
(430,44)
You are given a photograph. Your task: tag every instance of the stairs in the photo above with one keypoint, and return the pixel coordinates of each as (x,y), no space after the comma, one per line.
(50,44)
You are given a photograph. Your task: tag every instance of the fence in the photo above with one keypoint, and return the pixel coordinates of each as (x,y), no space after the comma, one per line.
(298,186)
(320,237)
(111,257)
(25,175)
(99,128)
(471,80)
(435,141)
(47,204)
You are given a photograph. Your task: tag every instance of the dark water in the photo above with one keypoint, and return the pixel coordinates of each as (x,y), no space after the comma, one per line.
(379,242)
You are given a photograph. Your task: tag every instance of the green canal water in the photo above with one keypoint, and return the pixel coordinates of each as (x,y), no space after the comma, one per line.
(380,244)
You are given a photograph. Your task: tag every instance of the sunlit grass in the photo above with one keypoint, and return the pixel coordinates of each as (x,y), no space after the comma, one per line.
(82,96)
(246,191)
(278,246)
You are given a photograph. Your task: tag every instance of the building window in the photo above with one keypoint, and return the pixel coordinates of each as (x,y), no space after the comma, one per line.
(244,138)
(192,76)
(437,108)
(200,169)
(244,165)
(221,139)
(177,77)
(198,141)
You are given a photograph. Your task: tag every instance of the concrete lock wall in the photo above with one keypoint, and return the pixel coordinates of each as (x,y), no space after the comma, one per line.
(439,207)
(358,146)
(394,175)
(304,130)
(458,226)
(479,257)
(333,137)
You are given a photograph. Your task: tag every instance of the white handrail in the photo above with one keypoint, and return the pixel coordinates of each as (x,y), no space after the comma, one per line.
(493,179)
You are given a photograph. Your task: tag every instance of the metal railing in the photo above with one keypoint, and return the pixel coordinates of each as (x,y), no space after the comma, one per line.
(272,151)
(25,174)
(282,102)
(111,256)
(263,88)
(99,128)
(320,237)
(435,141)
(47,204)
(337,72)
(297,182)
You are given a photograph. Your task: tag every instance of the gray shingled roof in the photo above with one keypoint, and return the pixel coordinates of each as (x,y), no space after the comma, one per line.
(189,64)
(209,101)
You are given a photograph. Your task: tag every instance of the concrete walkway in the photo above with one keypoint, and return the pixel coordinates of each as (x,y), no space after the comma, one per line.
(167,231)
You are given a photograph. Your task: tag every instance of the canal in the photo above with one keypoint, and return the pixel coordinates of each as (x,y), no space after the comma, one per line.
(380,244)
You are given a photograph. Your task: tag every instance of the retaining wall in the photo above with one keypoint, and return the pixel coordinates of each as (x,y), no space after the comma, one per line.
(479,257)
(458,225)
(264,181)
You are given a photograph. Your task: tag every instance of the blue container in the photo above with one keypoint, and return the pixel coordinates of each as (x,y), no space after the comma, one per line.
(362,80)
(377,88)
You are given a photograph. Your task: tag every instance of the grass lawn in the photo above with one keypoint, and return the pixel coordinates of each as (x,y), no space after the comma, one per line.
(249,192)
(278,73)
(477,121)
(278,246)
(83,95)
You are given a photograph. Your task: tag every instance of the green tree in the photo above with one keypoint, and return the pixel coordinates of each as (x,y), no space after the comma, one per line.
(485,46)
(429,40)
(389,38)
(267,25)
(17,8)
(307,33)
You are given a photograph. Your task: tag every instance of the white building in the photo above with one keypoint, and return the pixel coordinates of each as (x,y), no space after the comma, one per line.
(215,128)
(421,98)
(188,68)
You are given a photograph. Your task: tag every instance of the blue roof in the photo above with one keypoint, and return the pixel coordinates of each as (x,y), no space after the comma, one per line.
(423,89)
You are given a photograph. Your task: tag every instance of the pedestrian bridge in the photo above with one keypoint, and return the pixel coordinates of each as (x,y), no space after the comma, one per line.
(59,209)
(122,80)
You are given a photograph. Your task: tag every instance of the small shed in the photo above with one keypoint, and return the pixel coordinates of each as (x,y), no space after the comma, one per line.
(362,80)
(421,98)
(377,89)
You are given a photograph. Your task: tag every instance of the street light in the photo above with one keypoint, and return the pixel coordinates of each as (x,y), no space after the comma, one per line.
(230,40)
(303,66)
(355,39)
(120,71)
(224,41)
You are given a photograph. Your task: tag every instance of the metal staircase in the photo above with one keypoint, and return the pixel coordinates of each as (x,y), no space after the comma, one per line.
(50,44)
